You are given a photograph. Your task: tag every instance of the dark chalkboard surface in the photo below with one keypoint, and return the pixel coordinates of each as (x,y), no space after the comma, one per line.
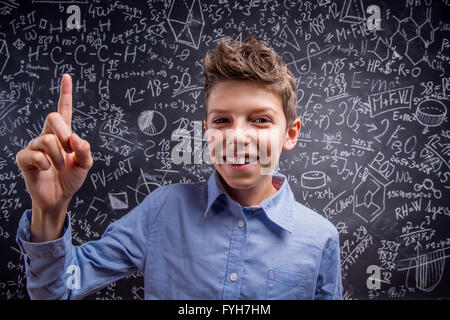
(373,89)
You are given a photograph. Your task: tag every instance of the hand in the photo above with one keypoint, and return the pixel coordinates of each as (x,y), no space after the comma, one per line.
(56,163)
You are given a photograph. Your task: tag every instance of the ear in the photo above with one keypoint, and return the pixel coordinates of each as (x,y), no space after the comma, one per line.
(290,140)
(204,124)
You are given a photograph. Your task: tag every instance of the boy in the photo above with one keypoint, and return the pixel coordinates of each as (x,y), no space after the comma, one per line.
(240,235)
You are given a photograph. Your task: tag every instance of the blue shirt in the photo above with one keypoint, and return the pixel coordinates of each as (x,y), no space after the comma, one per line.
(192,241)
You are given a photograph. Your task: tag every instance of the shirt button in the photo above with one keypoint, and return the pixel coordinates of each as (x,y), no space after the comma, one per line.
(241,223)
(233,277)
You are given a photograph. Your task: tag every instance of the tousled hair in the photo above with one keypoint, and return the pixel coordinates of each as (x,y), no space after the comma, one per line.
(251,60)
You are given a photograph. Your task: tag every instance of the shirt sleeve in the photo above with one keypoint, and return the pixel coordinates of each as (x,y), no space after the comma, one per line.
(329,281)
(58,270)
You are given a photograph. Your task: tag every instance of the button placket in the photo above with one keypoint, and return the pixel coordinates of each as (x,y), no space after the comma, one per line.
(238,244)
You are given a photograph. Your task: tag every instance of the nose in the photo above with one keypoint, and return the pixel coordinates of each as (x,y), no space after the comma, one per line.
(238,137)
(236,143)
(236,140)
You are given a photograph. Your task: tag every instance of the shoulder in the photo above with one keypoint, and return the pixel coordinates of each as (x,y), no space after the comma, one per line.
(176,192)
(173,199)
(181,189)
(314,224)
(312,218)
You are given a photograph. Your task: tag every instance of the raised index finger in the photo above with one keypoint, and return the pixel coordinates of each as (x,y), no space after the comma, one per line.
(65,100)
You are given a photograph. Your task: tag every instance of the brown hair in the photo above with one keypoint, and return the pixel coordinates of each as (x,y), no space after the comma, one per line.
(251,60)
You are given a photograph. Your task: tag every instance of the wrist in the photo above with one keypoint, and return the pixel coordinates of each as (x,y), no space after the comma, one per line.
(47,225)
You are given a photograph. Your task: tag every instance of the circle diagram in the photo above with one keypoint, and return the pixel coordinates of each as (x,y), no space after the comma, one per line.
(152,122)
(431,113)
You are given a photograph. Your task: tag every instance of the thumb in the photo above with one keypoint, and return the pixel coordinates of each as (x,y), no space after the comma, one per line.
(82,148)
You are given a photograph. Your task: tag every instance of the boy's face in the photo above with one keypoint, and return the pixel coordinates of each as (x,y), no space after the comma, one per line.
(246,129)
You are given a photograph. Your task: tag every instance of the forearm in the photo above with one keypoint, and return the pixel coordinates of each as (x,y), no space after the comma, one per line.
(45,263)
(58,270)
(47,226)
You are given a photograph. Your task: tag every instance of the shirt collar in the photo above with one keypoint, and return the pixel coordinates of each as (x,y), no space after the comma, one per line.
(279,207)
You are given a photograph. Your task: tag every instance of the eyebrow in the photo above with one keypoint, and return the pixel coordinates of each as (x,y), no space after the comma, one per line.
(256,110)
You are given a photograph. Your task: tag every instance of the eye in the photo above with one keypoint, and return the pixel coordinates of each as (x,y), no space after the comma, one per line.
(262,120)
(220,120)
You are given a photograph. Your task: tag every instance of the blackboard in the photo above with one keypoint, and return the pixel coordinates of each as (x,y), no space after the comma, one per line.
(373,89)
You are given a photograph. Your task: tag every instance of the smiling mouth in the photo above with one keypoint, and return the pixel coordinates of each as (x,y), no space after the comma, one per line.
(240,160)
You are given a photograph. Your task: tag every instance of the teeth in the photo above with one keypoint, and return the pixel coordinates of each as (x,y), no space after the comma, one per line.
(235,160)
(238,160)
